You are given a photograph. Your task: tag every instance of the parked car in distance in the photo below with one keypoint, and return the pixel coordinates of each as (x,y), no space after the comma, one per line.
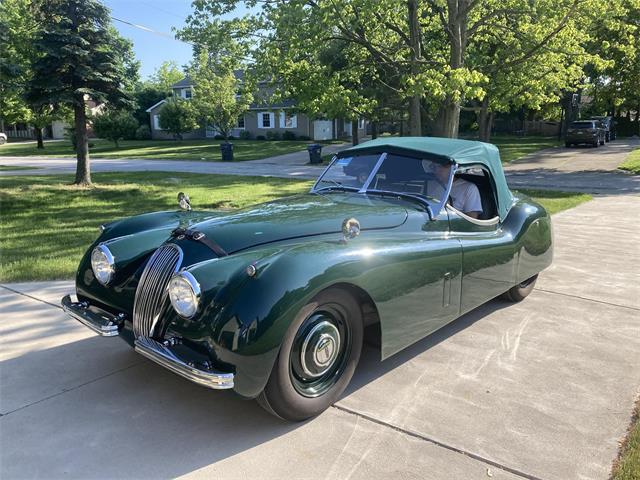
(589,132)
(3,138)
(274,300)
(609,126)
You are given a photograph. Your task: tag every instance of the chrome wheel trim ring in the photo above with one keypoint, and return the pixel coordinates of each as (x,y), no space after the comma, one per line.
(323,351)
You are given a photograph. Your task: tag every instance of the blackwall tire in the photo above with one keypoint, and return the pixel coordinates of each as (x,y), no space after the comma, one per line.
(520,291)
(296,390)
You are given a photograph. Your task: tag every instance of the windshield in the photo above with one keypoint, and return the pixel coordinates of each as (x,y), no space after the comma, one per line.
(582,125)
(389,173)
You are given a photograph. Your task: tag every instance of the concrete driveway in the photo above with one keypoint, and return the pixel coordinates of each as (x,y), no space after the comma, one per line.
(538,390)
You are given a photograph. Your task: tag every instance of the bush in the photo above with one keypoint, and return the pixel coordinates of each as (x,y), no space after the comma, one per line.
(304,137)
(245,135)
(260,137)
(287,135)
(143,133)
(271,135)
(115,125)
(218,137)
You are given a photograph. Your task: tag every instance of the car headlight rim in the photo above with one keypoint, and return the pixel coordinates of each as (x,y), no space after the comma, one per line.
(186,307)
(102,264)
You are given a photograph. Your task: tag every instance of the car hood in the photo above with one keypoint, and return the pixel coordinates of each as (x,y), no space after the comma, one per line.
(297,217)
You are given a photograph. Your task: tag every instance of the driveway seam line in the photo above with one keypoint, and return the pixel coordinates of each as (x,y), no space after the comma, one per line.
(30,296)
(439,443)
(587,299)
(66,390)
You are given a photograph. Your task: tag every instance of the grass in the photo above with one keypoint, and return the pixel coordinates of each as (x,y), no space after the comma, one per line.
(627,465)
(512,147)
(46,224)
(9,167)
(632,163)
(208,150)
(555,202)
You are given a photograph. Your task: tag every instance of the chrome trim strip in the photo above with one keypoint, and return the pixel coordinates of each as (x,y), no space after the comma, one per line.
(100,325)
(313,189)
(161,355)
(373,173)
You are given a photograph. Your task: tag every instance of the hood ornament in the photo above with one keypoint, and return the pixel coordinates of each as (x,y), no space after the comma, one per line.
(183,201)
(350,229)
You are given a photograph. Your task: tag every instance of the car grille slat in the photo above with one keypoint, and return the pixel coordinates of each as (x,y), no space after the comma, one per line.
(151,294)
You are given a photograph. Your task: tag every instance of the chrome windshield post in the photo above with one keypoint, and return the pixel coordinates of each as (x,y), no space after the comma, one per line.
(372,175)
(313,189)
(447,192)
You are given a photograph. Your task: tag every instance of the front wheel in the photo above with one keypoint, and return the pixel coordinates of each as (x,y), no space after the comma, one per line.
(317,358)
(520,291)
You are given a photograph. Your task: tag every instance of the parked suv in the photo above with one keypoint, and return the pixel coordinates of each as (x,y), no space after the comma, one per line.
(591,132)
(3,138)
(609,126)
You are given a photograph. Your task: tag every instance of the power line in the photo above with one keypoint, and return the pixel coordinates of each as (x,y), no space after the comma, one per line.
(150,30)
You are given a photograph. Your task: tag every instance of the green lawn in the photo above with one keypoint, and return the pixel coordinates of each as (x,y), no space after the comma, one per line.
(627,466)
(632,163)
(208,150)
(46,224)
(9,167)
(512,148)
(555,202)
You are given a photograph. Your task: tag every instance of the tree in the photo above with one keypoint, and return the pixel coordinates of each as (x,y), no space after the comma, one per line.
(92,66)
(219,98)
(115,125)
(177,116)
(165,76)
(145,95)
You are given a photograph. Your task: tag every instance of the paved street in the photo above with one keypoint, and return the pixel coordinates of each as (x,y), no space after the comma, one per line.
(575,169)
(538,390)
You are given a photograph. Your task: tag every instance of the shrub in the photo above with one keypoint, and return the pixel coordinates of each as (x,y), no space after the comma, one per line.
(287,135)
(260,137)
(177,117)
(304,137)
(245,135)
(143,133)
(115,125)
(218,137)
(271,135)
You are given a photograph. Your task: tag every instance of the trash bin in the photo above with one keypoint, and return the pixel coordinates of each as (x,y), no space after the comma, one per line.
(227,152)
(315,153)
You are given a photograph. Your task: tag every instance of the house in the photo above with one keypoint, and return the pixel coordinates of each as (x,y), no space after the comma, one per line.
(261,118)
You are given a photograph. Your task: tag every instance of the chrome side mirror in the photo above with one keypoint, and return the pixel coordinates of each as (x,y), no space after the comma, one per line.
(183,201)
(350,229)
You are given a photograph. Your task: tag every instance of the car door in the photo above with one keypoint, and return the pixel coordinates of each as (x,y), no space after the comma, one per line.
(421,284)
(489,258)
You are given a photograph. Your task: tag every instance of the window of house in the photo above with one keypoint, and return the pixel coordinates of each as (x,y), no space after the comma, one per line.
(156,122)
(240,122)
(288,120)
(265,120)
(186,93)
(360,123)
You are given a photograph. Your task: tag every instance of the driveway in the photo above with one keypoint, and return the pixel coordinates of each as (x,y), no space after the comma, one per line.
(542,389)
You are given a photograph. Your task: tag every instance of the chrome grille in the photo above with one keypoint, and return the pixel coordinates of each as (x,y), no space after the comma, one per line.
(151,295)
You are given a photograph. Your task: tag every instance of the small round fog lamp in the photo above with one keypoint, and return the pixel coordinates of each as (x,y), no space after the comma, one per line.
(350,228)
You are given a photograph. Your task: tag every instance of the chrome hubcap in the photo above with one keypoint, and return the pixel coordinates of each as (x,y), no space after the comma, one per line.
(320,349)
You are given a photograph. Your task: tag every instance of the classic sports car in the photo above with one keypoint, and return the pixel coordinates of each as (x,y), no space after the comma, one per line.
(273,300)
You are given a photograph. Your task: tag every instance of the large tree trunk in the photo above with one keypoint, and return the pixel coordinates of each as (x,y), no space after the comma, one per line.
(374,129)
(83,167)
(1,124)
(39,137)
(354,132)
(415,124)
(449,114)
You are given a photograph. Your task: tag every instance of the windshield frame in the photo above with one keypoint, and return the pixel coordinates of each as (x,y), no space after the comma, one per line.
(433,212)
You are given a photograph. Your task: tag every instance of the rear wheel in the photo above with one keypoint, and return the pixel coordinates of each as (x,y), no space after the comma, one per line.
(520,291)
(317,358)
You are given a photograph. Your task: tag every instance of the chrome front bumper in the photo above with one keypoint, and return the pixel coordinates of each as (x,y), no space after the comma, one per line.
(164,356)
(106,324)
(102,323)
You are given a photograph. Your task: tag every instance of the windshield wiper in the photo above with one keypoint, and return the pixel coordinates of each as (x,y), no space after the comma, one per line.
(421,199)
(338,187)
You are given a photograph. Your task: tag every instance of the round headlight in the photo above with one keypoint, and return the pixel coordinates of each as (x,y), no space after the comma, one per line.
(102,264)
(184,293)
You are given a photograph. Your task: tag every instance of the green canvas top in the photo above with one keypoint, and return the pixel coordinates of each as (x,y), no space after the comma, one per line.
(461,152)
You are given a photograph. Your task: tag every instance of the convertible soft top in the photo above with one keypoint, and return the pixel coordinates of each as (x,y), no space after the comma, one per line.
(461,152)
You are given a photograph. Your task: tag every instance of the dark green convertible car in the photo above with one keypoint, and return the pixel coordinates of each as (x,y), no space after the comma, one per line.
(397,238)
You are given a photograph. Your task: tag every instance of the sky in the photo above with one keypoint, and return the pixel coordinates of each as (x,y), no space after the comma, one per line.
(159,15)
